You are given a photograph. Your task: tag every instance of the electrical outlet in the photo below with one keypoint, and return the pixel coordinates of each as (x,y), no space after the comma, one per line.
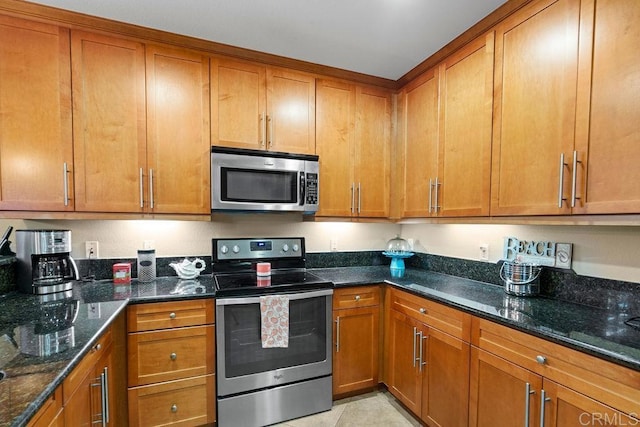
(148,244)
(91,249)
(484,252)
(333,244)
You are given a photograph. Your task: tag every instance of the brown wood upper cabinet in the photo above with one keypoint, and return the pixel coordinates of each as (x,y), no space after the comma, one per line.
(109,123)
(36,162)
(447,135)
(607,132)
(262,108)
(178,136)
(353,142)
(535,109)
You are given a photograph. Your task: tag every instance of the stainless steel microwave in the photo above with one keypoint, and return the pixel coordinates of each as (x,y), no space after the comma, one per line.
(264,181)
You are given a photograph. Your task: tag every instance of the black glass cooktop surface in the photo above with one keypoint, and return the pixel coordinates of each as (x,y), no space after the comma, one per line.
(249,283)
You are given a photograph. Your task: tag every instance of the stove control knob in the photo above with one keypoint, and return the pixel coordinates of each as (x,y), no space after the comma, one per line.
(285,247)
(224,249)
(236,249)
(295,248)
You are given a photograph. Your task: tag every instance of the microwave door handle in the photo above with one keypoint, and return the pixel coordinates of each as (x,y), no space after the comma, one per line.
(302,189)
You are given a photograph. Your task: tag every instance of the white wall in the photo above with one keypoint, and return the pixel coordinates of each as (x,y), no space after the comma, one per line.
(600,251)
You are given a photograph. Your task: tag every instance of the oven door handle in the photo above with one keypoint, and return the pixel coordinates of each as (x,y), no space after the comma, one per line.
(254,300)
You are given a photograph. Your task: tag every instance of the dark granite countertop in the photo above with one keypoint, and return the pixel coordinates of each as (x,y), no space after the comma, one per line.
(32,378)
(595,331)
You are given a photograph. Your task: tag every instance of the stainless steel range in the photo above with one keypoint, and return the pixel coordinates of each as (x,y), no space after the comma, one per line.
(263,380)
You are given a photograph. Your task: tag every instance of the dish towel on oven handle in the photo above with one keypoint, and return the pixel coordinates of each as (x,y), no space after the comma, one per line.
(274,319)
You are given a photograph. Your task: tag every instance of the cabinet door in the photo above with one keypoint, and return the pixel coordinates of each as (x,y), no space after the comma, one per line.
(35,117)
(50,414)
(464,160)
(420,105)
(502,393)
(535,107)
(372,151)
(78,409)
(567,408)
(238,104)
(355,352)
(109,123)
(445,386)
(608,135)
(335,114)
(403,373)
(178,139)
(291,111)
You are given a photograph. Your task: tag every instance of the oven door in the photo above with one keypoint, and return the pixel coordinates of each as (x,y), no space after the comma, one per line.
(243,365)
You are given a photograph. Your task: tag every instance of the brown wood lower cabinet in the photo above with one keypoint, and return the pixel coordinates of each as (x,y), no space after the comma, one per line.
(517,378)
(428,369)
(356,319)
(189,401)
(171,363)
(50,414)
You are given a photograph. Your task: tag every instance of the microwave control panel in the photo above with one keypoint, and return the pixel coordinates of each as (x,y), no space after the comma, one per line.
(311,193)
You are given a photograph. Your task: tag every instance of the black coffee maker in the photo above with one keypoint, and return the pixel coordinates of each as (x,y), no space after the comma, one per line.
(44,262)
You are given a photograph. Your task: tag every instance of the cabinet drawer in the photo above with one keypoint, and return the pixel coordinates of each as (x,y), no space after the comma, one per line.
(190,401)
(611,384)
(50,412)
(86,365)
(172,314)
(361,296)
(166,355)
(454,322)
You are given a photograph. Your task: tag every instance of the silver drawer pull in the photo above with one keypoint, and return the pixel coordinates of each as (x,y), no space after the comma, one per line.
(172,315)
(541,360)
(423,310)
(174,408)
(97,347)
(357,298)
(173,356)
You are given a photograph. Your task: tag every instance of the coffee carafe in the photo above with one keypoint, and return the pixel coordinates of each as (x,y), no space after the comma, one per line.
(44,264)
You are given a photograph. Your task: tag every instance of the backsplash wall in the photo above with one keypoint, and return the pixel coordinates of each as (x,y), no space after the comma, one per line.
(599,251)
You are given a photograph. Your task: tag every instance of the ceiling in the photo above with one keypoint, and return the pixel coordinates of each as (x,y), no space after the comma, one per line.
(382,38)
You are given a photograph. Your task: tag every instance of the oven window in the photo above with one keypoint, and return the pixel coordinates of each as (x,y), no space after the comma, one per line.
(251,185)
(244,354)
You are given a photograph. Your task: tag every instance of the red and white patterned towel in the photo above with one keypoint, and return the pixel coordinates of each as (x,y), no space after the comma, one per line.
(274,317)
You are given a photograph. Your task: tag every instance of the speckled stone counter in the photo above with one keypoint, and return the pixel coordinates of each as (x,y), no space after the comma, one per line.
(40,343)
(597,331)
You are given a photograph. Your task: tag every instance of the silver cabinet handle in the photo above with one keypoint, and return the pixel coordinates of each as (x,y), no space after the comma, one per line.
(105,374)
(415,334)
(574,174)
(174,408)
(541,359)
(151,203)
(65,183)
(97,347)
(527,403)
(357,298)
(100,383)
(173,356)
(353,197)
(337,334)
(423,310)
(436,206)
(172,315)
(561,197)
(263,128)
(543,400)
(141,190)
(421,361)
(359,198)
(430,195)
(270,124)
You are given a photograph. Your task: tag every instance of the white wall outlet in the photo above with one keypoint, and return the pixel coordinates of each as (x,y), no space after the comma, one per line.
(333,245)
(148,244)
(484,252)
(91,249)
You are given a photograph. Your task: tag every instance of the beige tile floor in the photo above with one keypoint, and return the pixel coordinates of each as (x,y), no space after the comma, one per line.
(372,409)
